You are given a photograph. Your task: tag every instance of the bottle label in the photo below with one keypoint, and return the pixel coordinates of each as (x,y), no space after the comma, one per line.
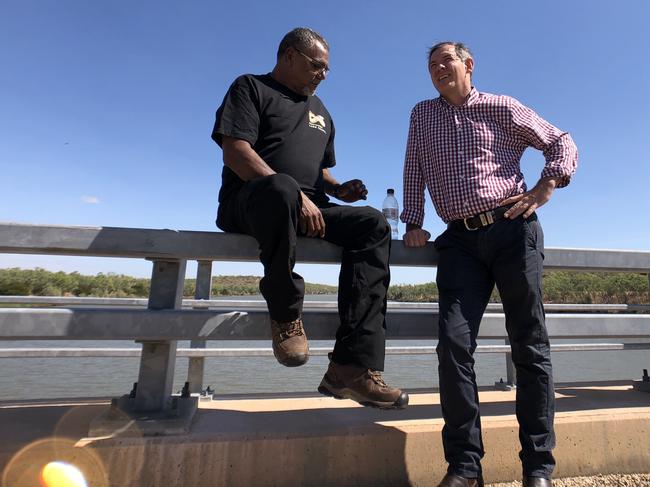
(390,213)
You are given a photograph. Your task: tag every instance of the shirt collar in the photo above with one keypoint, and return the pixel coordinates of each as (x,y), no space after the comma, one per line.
(472,97)
(469,101)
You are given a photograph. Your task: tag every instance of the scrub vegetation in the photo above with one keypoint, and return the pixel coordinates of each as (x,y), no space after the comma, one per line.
(559,286)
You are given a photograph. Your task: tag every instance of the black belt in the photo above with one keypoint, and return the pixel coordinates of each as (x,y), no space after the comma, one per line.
(482,219)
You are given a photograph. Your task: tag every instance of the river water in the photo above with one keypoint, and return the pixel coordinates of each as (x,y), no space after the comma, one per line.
(36,378)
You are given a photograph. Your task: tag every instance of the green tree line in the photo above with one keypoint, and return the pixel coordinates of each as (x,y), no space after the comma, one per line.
(559,286)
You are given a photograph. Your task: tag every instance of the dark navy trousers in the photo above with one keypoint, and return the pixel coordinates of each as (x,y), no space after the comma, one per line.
(268,208)
(508,253)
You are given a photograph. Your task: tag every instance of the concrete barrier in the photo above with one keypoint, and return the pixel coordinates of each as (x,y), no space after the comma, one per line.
(298,441)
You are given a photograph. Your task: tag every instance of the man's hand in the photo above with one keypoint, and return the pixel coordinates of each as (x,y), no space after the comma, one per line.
(311,219)
(529,201)
(416,237)
(351,191)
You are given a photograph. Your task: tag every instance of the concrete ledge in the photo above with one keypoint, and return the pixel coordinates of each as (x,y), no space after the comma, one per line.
(322,442)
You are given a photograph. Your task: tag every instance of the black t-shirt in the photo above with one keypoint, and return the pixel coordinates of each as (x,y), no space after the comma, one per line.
(292,133)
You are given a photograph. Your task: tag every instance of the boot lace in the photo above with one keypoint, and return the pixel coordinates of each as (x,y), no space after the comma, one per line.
(375,375)
(290,329)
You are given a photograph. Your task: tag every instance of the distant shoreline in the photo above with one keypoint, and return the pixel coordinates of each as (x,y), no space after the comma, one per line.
(562,287)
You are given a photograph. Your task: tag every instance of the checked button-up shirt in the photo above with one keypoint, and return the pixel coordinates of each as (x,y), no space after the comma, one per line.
(468,156)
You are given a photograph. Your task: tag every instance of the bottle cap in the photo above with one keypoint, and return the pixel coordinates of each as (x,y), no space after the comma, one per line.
(390,191)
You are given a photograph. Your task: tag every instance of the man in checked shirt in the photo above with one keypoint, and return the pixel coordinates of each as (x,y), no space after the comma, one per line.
(465,147)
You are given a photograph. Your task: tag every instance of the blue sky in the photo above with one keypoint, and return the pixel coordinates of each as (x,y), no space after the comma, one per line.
(106,108)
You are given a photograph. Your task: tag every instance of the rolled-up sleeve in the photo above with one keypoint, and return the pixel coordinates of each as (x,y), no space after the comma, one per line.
(413,212)
(560,152)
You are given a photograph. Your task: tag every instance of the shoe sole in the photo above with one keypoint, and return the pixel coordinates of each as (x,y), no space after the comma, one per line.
(401,402)
(295,361)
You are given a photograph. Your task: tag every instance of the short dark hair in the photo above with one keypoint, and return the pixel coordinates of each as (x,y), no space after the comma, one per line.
(462,51)
(301,38)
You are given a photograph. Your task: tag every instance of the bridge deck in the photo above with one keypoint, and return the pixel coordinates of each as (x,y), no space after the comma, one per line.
(601,428)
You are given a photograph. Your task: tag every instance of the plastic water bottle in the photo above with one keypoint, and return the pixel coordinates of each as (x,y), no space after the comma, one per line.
(390,209)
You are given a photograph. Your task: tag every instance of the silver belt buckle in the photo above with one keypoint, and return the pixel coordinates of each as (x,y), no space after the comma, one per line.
(467,226)
(487,218)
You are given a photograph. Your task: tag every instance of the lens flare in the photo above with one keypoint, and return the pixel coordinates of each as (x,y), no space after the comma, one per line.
(55,462)
(61,474)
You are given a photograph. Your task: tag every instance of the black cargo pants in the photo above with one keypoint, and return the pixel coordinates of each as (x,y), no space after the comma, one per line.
(268,208)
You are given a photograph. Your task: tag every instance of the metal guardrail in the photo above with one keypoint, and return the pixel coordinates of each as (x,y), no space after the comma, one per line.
(267,352)
(167,317)
(253,324)
(229,303)
(215,246)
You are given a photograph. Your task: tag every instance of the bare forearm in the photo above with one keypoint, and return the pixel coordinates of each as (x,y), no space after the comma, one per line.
(330,183)
(239,156)
(551,182)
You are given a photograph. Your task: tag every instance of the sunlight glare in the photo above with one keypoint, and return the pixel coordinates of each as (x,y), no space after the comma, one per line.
(61,474)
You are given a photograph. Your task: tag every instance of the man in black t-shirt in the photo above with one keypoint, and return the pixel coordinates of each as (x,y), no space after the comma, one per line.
(277,139)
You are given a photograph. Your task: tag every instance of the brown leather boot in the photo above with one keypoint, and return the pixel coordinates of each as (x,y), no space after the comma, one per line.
(451,480)
(290,345)
(362,385)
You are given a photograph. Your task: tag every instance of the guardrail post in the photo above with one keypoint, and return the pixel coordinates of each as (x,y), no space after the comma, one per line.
(203,289)
(511,373)
(156,376)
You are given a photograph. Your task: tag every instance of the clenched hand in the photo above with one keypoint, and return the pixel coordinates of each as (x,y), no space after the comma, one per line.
(416,237)
(351,191)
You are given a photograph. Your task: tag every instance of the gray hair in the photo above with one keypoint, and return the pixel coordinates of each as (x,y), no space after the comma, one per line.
(301,38)
(462,51)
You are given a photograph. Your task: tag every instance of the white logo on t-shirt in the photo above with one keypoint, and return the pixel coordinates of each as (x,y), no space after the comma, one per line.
(317,121)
